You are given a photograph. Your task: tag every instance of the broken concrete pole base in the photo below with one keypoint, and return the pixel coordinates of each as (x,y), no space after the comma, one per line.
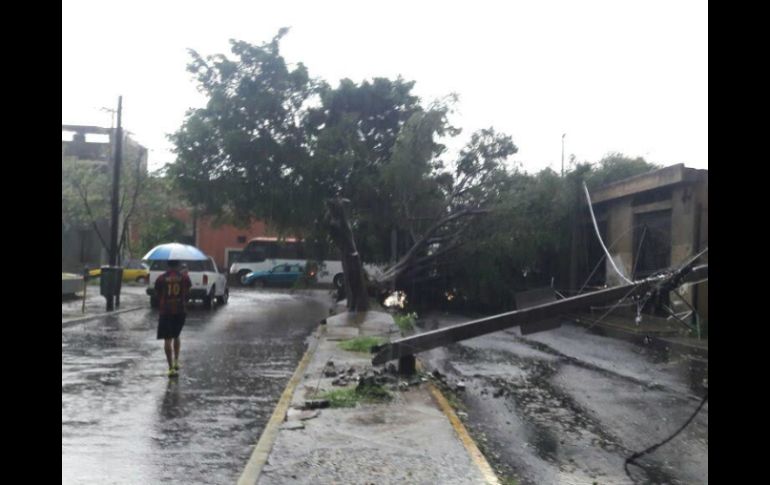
(315,404)
(407,365)
(329,370)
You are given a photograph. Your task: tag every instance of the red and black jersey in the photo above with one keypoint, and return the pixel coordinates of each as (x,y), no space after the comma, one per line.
(172,288)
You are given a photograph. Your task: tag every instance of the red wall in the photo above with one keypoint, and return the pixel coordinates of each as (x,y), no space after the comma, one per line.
(214,240)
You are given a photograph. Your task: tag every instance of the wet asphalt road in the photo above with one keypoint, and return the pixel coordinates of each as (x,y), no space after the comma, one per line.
(124,421)
(568,406)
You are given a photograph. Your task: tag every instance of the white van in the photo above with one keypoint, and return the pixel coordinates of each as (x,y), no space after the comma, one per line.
(208,283)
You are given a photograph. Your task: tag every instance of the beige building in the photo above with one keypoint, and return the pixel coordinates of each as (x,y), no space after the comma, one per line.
(93,145)
(649,222)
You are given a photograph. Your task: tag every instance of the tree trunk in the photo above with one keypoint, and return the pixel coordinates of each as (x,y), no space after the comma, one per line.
(342,235)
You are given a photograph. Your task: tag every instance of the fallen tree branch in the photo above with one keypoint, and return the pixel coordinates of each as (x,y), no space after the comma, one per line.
(410,258)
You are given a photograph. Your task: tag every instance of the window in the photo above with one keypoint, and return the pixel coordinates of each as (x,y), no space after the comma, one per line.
(232,256)
(194,265)
(652,242)
(190,265)
(254,256)
(285,250)
(97,138)
(241,239)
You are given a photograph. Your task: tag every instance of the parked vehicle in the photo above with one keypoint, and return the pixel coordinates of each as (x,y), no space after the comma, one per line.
(133,270)
(262,254)
(281,275)
(208,283)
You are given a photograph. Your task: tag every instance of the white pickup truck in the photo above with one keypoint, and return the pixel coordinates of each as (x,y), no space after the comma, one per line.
(208,283)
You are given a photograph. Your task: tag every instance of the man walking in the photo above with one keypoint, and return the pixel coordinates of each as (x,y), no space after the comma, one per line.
(172,289)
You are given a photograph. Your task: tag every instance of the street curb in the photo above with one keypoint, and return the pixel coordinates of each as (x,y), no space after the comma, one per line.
(69,321)
(470,445)
(261,452)
(468,442)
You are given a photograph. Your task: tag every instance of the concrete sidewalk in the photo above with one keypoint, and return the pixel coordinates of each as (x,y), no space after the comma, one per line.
(132,297)
(414,438)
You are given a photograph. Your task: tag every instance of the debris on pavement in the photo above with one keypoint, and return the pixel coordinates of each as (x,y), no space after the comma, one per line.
(315,404)
(292,425)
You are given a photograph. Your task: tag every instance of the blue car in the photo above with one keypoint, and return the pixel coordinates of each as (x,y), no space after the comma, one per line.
(281,275)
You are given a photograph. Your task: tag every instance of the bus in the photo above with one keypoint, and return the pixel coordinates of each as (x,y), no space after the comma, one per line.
(265,253)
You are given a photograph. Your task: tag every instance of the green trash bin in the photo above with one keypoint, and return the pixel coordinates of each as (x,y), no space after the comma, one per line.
(110,282)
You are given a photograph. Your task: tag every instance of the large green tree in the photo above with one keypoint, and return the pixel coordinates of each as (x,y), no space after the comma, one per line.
(321,161)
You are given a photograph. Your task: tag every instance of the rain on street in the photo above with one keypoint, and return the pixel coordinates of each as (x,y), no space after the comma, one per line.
(124,421)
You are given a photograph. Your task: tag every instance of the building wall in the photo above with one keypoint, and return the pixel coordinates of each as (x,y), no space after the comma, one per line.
(619,203)
(620,218)
(683,234)
(702,206)
(134,154)
(81,247)
(216,240)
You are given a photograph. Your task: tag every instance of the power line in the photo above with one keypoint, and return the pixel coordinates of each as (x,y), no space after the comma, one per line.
(632,459)
(599,236)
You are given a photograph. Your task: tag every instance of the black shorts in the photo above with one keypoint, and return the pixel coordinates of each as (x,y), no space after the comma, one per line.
(170,326)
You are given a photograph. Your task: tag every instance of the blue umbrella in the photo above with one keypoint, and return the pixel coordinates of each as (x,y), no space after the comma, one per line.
(179,252)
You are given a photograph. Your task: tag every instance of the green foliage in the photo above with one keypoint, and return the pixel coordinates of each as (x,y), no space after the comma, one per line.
(341,398)
(87,194)
(616,166)
(361,344)
(405,321)
(373,393)
(156,221)
(81,180)
(246,150)
(159,229)
(272,143)
(351,396)
(527,239)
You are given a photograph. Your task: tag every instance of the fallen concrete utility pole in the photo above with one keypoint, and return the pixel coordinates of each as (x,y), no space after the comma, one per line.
(405,348)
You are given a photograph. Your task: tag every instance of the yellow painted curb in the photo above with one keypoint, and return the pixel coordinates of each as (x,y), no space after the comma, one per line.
(476,456)
(259,456)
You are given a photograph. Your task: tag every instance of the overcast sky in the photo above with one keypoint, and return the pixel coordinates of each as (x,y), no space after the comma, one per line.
(613,75)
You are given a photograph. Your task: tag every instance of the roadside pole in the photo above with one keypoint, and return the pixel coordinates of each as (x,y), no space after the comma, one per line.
(112,279)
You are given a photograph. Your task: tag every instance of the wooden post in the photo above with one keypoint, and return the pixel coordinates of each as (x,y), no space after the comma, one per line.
(85,287)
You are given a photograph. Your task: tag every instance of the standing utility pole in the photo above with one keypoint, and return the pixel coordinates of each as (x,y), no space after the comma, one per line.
(562,154)
(115,219)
